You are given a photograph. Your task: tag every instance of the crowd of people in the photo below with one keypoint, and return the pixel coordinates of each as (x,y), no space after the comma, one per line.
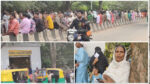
(39,75)
(33,75)
(96,69)
(111,16)
(30,21)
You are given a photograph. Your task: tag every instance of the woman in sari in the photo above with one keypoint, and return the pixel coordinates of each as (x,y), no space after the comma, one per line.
(112,17)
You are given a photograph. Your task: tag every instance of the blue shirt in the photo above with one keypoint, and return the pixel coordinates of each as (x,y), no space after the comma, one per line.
(94,78)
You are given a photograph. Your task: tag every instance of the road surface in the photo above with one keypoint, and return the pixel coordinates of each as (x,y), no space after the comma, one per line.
(131,32)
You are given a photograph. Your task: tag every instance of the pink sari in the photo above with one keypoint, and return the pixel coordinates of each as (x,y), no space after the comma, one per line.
(133,16)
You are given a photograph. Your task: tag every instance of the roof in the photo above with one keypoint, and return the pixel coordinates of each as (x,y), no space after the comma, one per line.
(13,70)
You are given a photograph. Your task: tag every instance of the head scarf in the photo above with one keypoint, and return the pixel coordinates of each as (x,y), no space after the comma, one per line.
(119,71)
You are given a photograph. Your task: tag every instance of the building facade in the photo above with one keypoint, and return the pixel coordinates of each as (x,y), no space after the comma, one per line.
(20,55)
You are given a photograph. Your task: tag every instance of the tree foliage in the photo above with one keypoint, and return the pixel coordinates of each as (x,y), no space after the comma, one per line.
(110,47)
(64,56)
(45,55)
(22,6)
(125,5)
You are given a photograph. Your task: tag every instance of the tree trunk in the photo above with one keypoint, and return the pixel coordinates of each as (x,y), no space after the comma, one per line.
(53,54)
(100,5)
(139,63)
(67,5)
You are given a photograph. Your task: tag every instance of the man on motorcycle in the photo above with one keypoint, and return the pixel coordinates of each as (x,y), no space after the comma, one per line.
(81,24)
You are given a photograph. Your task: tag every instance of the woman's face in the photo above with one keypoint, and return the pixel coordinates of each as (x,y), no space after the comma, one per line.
(119,54)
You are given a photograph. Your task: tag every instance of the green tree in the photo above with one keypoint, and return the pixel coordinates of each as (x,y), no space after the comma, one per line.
(45,55)
(22,6)
(110,47)
(60,55)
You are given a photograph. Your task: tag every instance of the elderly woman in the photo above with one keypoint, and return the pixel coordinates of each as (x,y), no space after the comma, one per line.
(81,58)
(119,69)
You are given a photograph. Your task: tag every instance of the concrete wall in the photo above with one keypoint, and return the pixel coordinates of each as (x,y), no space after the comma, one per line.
(35,57)
(47,35)
(90,47)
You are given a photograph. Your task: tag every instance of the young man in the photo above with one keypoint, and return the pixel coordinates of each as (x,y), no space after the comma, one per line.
(50,74)
(81,24)
(39,23)
(6,18)
(13,27)
(58,20)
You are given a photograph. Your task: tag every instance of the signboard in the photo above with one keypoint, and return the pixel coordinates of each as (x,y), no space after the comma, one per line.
(20,52)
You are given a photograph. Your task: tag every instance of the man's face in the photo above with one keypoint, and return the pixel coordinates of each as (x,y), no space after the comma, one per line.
(15,12)
(79,15)
(78,45)
(21,16)
(61,15)
(35,15)
(11,17)
(119,54)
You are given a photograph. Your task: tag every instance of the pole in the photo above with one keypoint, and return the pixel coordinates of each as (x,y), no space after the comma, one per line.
(91,5)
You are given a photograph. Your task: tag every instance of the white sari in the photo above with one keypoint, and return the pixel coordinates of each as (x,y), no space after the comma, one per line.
(119,71)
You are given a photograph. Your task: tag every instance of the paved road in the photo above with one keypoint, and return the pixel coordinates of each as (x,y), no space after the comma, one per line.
(130,32)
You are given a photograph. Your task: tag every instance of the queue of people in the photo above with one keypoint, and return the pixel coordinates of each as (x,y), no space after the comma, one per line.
(97,70)
(14,23)
(30,22)
(111,16)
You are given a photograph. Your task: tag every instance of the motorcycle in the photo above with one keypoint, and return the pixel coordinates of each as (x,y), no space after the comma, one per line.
(77,35)
(70,34)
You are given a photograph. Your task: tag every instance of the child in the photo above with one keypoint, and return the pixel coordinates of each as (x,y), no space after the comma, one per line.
(95,76)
